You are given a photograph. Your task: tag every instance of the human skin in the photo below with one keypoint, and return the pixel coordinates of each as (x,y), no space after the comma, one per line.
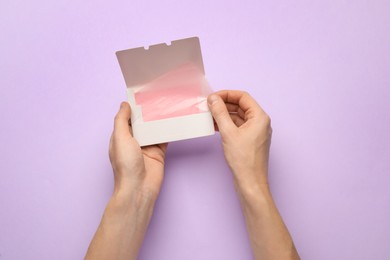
(246,138)
(138,172)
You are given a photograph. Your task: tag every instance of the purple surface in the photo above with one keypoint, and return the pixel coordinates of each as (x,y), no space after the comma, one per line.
(319,68)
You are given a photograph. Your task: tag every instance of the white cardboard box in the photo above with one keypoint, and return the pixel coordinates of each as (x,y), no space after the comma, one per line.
(140,66)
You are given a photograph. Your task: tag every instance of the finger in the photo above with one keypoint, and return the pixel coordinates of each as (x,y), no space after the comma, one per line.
(215,126)
(163,147)
(121,122)
(237,120)
(220,113)
(243,100)
(129,125)
(234,108)
(156,152)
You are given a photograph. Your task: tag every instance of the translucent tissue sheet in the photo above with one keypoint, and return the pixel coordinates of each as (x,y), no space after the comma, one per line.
(180,92)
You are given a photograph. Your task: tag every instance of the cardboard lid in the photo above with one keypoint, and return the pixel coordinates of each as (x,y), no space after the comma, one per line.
(141,65)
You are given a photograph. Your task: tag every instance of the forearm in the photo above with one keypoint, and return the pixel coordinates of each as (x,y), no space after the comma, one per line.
(122,227)
(269,236)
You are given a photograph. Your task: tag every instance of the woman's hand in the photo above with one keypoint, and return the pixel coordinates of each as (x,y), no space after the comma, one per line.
(246,135)
(136,169)
(138,174)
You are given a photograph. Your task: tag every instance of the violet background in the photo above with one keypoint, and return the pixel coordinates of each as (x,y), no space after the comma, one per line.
(319,68)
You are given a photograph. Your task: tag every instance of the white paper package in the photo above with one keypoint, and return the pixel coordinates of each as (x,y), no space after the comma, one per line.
(167,90)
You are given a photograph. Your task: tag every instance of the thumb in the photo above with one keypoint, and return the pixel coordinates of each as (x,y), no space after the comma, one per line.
(220,113)
(121,122)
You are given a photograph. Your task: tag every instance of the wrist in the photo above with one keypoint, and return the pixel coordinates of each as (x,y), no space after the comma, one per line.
(253,194)
(250,191)
(127,202)
(124,224)
(249,179)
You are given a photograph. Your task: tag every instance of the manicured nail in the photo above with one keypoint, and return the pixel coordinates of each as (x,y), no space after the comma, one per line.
(212,99)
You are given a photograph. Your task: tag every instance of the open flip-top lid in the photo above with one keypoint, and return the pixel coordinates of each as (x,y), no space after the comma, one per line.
(141,65)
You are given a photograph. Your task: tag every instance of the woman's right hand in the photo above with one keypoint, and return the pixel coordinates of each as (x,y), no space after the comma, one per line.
(246,136)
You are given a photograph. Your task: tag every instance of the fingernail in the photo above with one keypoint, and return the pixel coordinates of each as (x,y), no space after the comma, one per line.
(212,99)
